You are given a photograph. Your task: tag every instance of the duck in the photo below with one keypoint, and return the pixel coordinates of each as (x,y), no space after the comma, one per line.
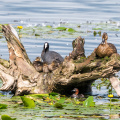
(38,65)
(76,94)
(53,65)
(50,56)
(105,49)
(49,68)
(45,68)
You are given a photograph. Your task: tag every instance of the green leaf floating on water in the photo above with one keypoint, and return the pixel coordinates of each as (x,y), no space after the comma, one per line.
(53,93)
(89,102)
(62,100)
(28,102)
(58,105)
(3,106)
(37,34)
(6,117)
(52,97)
(48,26)
(97,29)
(71,30)
(39,95)
(61,28)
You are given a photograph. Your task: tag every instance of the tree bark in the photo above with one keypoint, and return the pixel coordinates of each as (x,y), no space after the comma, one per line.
(20,76)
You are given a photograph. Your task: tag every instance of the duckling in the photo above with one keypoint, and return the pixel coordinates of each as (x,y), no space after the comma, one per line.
(76,94)
(45,68)
(49,68)
(53,65)
(38,64)
(50,56)
(105,49)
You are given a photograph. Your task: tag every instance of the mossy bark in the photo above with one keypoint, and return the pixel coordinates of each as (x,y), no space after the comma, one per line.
(19,75)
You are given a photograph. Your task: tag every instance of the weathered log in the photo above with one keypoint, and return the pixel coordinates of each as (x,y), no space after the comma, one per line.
(20,76)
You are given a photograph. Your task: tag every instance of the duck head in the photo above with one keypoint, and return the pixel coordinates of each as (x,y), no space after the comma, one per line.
(46,46)
(38,59)
(104,38)
(75,91)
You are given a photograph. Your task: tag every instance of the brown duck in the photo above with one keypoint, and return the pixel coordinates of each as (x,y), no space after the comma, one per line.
(105,49)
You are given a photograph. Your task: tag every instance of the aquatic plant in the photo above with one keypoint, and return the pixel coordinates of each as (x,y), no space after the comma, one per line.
(20,27)
(89,102)
(6,117)
(61,28)
(3,106)
(28,102)
(110,95)
(94,33)
(58,105)
(71,30)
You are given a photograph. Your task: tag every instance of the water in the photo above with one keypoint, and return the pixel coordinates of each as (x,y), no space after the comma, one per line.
(42,12)
(54,12)
(49,10)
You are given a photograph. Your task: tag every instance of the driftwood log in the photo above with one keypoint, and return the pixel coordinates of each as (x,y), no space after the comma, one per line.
(20,76)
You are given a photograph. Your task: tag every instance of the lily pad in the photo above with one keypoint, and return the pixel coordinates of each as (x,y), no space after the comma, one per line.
(6,117)
(37,34)
(89,102)
(61,28)
(97,29)
(3,106)
(62,100)
(58,105)
(71,30)
(53,93)
(28,102)
(39,95)
(48,26)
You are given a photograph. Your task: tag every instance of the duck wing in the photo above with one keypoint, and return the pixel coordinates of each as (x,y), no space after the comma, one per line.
(112,47)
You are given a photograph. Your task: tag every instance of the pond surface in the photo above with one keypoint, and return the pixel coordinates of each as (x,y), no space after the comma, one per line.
(84,16)
(74,11)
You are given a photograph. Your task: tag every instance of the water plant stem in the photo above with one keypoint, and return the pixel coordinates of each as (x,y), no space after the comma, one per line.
(110,104)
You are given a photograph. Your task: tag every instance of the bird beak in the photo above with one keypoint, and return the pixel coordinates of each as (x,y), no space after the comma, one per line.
(73,91)
(45,46)
(103,41)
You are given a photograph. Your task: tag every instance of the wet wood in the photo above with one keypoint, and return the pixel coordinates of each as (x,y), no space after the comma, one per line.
(22,77)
